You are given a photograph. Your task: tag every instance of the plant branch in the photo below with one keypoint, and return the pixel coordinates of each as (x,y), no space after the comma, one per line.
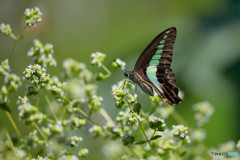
(13,124)
(141,127)
(9,140)
(51,108)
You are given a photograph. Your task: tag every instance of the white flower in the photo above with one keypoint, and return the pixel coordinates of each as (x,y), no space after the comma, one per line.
(5,29)
(97,58)
(180,130)
(33,16)
(203,112)
(121,63)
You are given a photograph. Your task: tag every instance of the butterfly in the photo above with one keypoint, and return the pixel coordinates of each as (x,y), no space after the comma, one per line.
(152,70)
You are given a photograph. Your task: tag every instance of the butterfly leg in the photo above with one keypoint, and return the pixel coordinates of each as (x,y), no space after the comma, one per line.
(124,83)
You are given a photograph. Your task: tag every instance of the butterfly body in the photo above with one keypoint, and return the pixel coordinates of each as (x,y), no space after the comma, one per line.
(138,79)
(152,70)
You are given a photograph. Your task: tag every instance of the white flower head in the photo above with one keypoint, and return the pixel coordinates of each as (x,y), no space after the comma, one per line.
(97,58)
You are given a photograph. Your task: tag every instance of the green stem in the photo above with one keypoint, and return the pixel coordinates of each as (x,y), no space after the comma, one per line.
(13,49)
(141,127)
(172,155)
(106,70)
(109,119)
(13,124)
(9,139)
(82,112)
(16,38)
(38,95)
(40,131)
(9,156)
(50,106)
(106,117)
(178,118)
(49,120)
(153,133)
(22,30)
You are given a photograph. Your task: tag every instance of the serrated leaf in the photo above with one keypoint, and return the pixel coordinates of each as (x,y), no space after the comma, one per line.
(155,137)
(5,107)
(140,142)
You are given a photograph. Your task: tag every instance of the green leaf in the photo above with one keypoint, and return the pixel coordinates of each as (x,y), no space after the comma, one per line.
(181,154)
(155,137)
(137,108)
(5,107)
(140,142)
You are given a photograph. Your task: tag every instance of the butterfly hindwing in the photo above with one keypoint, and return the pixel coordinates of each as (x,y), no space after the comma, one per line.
(154,63)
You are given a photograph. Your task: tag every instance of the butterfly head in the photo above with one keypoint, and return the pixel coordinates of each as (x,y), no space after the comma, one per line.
(131,76)
(126,74)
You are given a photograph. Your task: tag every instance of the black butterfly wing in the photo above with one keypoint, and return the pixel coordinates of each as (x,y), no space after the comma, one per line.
(154,65)
(144,59)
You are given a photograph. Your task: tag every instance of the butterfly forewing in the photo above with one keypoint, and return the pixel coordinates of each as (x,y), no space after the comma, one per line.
(154,64)
(164,49)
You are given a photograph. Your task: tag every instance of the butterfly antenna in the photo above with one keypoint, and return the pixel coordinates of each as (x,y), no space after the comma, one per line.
(119,65)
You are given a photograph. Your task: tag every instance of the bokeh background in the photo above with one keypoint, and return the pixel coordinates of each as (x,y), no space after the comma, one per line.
(206,59)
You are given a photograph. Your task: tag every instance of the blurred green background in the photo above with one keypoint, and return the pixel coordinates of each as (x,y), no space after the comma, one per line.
(206,59)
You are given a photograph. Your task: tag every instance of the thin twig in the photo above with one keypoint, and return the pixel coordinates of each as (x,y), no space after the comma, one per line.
(9,140)
(13,124)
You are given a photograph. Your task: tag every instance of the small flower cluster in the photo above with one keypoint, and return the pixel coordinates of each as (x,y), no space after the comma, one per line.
(74,140)
(97,59)
(95,103)
(42,54)
(157,124)
(126,118)
(83,152)
(37,75)
(238,145)
(32,140)
(96,130)
(204,110)
(4,67)
(55,87)
(56,127)
(181,131)
(132,99)
(119,94)
(11,82)
(74,69)
(33,16)
(116,131)
(6,29)
(198,134)
(119,63)
(77,123)
(227,146)
(28,113)
(122,99)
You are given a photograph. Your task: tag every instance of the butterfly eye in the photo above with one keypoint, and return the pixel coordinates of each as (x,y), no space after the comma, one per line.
(126,74)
